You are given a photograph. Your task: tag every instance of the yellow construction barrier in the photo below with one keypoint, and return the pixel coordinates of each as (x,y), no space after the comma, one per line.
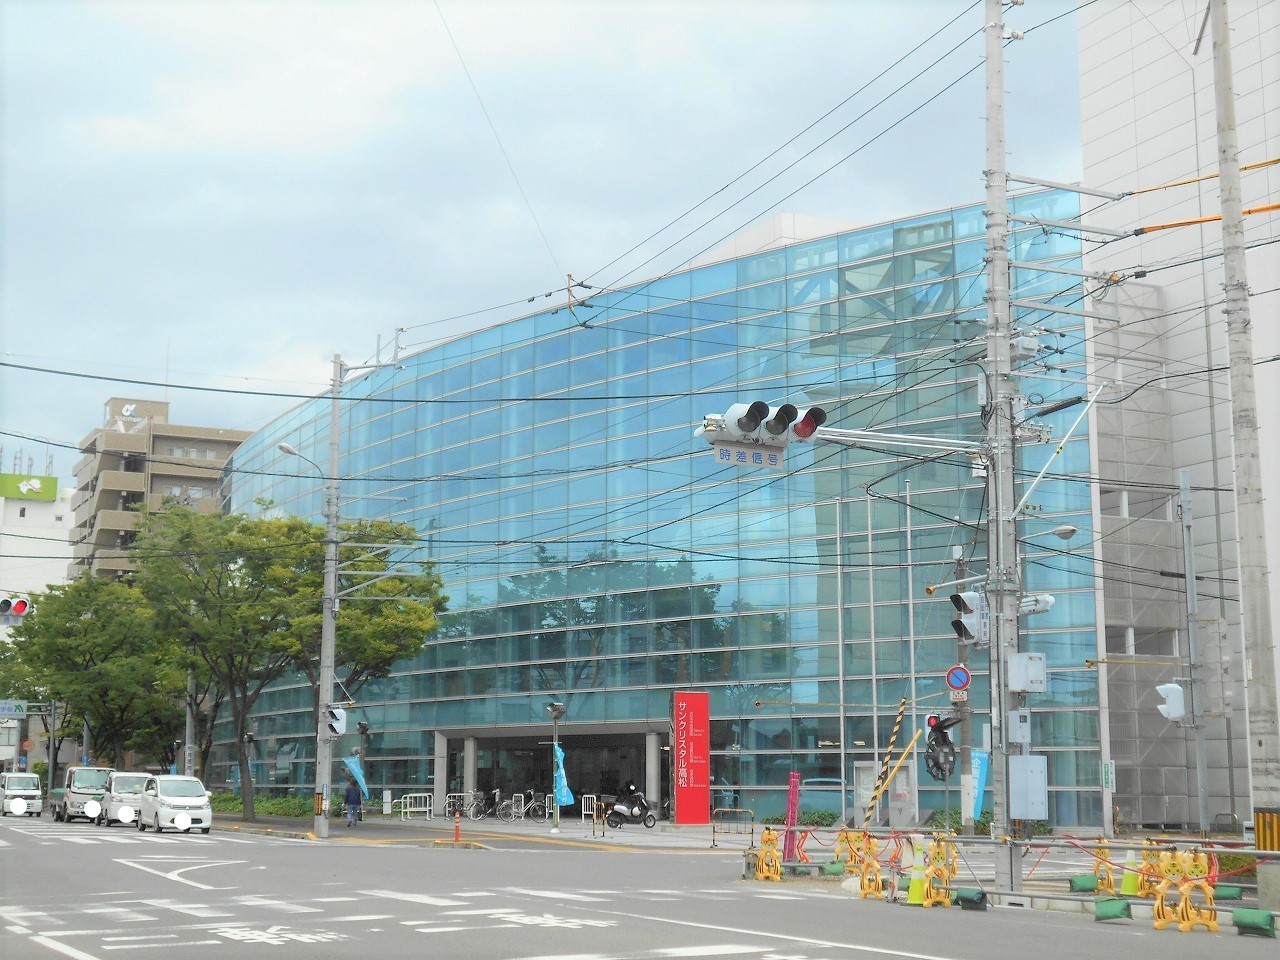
(769,862)
(1102,869)
(870,876)
(1192,914)
(1150,875)
(938,874)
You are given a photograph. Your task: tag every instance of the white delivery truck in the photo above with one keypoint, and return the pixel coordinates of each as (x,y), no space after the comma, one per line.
(20,794)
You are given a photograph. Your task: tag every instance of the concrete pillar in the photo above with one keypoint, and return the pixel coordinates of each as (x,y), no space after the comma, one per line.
(653,769)
(469,765)
(441,770)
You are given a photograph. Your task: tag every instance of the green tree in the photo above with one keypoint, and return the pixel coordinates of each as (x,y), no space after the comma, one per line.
(244,595)
(95,646)
(227,588)
(389,605)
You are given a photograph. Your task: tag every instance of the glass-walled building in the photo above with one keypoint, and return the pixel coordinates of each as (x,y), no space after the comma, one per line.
(596,553)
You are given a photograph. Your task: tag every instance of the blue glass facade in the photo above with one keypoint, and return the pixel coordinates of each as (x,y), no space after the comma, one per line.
(594,550)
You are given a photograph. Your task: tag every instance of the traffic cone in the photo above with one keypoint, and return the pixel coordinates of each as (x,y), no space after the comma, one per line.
(1129,880)
(915,891)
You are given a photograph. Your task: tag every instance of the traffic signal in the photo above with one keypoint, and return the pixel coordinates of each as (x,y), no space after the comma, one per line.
(14,606)
(939,751)
(335,720)
(1175,701)
(970,624)
(758,422)
(1036,603)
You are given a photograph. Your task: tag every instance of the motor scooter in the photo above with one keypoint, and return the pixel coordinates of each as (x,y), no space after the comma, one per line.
(631,807)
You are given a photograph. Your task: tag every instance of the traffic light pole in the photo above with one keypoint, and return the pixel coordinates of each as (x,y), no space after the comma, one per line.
(1002,542)
(329,610)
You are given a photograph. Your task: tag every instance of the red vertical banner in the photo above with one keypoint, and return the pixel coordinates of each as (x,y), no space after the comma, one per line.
(691,756)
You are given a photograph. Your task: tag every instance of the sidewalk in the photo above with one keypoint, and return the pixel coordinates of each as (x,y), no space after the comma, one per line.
(376,828)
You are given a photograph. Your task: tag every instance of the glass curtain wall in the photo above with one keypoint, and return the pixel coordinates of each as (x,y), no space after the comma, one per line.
(595,552)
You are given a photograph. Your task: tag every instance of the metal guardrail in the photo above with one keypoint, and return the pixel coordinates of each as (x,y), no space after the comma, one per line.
(588,805)
(734,825)
(412,803)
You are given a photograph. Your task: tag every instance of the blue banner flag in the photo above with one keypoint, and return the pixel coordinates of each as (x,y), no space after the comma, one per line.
(981,764)
(353,764)
(564,796)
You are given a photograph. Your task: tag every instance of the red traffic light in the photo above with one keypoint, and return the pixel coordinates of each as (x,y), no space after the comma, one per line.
(933,720)
(13,606)
(807,425)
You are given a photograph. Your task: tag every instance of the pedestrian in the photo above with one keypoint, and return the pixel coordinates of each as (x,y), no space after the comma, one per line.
(352,799)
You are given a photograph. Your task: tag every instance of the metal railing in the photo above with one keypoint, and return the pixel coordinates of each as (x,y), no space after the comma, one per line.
(412,803)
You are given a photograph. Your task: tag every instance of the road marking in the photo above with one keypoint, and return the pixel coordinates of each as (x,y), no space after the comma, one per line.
(334,899)
(486,912)
(63,949)
(177,874)
(121,915)
(170,946)
(17,929)
(143,936)
(414,898)
(447,929)
(556,895)
(717,950)
(190,909)
(778,896)
(254,901)
(367,916)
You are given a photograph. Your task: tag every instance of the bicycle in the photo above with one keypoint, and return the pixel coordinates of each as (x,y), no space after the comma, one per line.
(484,804)
(528,808)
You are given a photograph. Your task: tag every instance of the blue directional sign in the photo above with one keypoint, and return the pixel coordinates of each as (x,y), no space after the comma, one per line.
(958,677)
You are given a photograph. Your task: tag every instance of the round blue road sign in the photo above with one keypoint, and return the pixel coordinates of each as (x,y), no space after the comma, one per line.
(958,677)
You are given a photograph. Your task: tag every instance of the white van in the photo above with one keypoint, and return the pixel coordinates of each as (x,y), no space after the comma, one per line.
(24,787)
(121,798)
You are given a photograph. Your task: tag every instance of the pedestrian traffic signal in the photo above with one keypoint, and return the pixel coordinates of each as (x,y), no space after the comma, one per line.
(335,719)
(1175,701)
(970,624)
(14,606)
(1036,603)
(939,751)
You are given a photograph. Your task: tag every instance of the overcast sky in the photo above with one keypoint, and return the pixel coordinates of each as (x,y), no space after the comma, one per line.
(226,194)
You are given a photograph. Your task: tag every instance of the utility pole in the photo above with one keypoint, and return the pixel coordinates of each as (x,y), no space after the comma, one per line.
(1255,590)
(964,713)
(1002,541)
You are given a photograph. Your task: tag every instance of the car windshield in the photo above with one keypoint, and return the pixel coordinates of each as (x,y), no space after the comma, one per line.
(128,784)
(23,783)
(89,778)
(181,788)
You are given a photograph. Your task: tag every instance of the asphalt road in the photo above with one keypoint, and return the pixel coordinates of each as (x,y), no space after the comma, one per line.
(79,891)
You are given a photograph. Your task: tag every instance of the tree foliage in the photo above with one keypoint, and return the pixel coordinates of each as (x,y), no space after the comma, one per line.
(93,645)
(244,596)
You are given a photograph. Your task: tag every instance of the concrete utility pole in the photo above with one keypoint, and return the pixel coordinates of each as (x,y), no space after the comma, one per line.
(1002,541)
(329,619)
(1255,589)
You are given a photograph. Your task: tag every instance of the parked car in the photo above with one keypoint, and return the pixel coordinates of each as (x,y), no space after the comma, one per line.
(121,798)
(177,803)
(20,786)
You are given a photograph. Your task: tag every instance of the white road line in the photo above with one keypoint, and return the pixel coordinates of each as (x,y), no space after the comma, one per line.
(121,915)
(190,909)
(556,895)
(447,929)
(778,896)
(413,898)
(63,949)
(716,950)
(81,839)
(367,916)
(496,912)
(334,899)
(146,936)
(282,905)
(170,946)
(17,929)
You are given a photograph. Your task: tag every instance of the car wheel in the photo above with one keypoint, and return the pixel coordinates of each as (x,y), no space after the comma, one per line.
(155,824)
(142,827)
(39,814)
(205,831)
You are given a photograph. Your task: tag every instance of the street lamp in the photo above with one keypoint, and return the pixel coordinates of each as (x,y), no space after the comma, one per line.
(557,710)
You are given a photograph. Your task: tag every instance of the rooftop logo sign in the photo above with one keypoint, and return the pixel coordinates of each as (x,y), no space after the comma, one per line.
(23,486)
